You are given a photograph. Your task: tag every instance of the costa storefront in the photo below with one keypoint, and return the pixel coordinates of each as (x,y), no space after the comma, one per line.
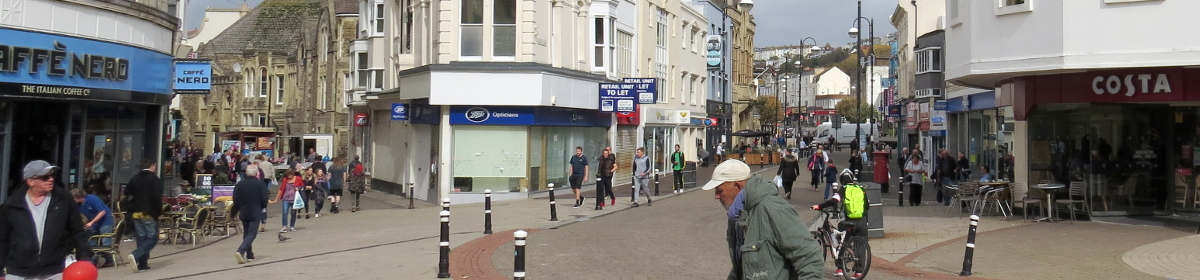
(1130,135)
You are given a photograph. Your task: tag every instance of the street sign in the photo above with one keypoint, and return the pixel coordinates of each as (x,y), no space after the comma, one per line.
(617,97)
(646,90)
(837,122)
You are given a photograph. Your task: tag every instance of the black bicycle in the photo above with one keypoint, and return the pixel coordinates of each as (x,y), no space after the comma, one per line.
(852,254)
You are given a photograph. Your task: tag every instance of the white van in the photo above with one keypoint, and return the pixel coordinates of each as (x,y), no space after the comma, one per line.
(844,135)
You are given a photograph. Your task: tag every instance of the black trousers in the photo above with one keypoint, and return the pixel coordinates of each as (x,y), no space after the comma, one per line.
(787,186)
(914,194)
(678,180)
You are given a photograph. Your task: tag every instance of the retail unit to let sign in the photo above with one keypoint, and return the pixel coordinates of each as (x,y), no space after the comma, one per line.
(646,89)
(617,97)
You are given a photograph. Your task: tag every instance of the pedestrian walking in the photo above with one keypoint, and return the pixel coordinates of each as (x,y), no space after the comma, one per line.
(337,181)
(946,170)
(677,161)
(579,173)
(720,152)
(789,169)
(856,161)
(356,182)
(97,219)
(267,171)
(39,227)
(816,164)
(288,189)
(144,193)
(319,191)
(306,193)
(641,176)
(250,199)
(766,238)
(607,167)
(916,174)
(830,175)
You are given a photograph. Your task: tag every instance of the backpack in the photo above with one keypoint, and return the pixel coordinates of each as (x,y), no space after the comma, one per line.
(358,169)
(854,200)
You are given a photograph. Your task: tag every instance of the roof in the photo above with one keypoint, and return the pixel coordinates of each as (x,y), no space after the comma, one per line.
(344,7)
(274,25)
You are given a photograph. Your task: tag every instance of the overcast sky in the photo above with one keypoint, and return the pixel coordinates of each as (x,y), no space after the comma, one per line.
(780,22)
(195,10)
(785,22)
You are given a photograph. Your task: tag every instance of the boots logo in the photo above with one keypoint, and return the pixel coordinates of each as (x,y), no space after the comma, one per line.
(477,114)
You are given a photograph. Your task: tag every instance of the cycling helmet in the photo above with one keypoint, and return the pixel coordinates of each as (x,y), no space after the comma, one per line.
(846,177)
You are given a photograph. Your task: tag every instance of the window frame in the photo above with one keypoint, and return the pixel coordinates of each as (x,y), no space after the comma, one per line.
(929,60)
(262,120)
(279,89)
(263,82)
(496,28)
(378,18)
(463,25)
(1008,7)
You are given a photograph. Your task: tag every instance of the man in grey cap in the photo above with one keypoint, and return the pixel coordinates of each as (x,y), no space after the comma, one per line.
(766,238)
(40,227)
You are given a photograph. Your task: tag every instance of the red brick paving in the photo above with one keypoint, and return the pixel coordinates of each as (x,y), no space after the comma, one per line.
(473,260)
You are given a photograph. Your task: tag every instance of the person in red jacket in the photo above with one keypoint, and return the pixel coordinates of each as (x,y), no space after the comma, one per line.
(287,193)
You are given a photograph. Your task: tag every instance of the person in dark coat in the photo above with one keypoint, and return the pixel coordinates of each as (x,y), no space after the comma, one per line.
(144,194)
(39,227)
(789,169)
(856,161)
(250,198)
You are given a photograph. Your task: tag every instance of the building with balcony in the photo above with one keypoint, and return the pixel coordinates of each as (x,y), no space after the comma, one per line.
(279,80)
(1117,120)
(85,89)
(912,20)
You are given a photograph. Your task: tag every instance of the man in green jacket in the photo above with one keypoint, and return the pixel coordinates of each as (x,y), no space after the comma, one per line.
(766,238)
(677,161)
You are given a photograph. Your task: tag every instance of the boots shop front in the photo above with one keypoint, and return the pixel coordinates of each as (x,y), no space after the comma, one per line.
(91,107)
(1128,137)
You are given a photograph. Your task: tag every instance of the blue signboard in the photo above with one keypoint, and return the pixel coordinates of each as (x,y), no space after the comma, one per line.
(193,76)
(617,97)
(939,105)
(646,89)
(40,64)
(399,112)
(491,115)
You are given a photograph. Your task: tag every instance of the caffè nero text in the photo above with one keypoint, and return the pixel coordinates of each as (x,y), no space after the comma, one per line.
(58,61)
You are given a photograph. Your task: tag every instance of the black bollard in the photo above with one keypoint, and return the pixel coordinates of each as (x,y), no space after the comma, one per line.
(633,187)
(599,192)
(656,182)
(970,247)
(900,189)
(411,196)
(445,204)
(444,255)
(553,212)
(487,211)
(519,256)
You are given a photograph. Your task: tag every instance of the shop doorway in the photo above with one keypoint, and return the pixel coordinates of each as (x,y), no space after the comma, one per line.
(38,136)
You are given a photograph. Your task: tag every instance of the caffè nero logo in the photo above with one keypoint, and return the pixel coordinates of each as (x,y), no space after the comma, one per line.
(1131,84)
(58,61)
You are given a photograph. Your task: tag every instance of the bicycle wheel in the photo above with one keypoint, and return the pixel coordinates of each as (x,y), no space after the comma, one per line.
(824,247)
(855,257)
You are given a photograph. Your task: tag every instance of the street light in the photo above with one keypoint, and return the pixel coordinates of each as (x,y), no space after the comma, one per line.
(858,70)
(745,5)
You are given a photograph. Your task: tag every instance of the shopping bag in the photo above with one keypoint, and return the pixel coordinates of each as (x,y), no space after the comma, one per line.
(778,181)
(298,202)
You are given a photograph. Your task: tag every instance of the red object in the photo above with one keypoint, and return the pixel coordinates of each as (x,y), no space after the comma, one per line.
(881,167)
(1183,171)
(360,119)
(825,112)
(1133,85)
(80,270)
(630,118)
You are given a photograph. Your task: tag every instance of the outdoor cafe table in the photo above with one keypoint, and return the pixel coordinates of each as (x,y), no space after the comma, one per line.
(1048,188)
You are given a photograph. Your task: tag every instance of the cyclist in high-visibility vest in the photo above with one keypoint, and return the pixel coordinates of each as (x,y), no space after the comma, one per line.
(854,203)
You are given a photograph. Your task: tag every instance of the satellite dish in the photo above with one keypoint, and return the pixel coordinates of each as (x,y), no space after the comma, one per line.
(237,67)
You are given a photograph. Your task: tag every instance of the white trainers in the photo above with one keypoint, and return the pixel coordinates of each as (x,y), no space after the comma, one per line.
(240,258)
(133,263)
(838,273)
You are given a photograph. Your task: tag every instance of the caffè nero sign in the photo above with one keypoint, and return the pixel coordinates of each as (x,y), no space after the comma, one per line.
(58,61)
(1131,84)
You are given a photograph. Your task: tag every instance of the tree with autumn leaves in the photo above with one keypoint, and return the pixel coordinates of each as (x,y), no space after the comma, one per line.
(847,110)
(769,109)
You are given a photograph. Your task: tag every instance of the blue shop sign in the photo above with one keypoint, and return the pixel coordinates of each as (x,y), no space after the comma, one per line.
(193,76)
(978,101)
(646,89)
(491,115)
(399,112)
(39,64)
(617,97)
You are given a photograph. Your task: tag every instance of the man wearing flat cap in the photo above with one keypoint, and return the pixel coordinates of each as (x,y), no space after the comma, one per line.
(766,238)
(39,227)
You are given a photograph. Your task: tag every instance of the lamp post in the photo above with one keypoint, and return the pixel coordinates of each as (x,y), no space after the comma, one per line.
(854,33)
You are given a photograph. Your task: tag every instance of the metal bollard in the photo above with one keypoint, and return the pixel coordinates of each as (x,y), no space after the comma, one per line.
(445,204)
(487,211)
(900,189)
(444,255)
(411,196)
(519,256)
(553,211)
(970,247)
(634,186)
(599,192)
(656,181)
